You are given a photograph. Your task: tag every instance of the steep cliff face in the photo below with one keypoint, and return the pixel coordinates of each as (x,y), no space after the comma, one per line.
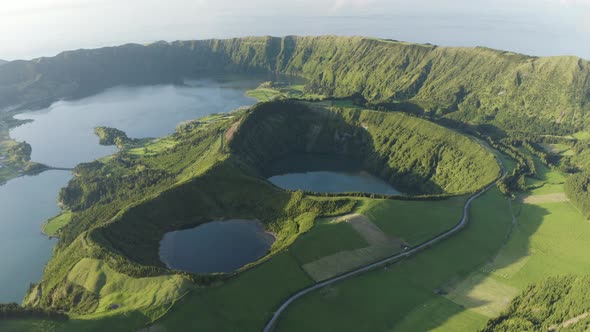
(513,91)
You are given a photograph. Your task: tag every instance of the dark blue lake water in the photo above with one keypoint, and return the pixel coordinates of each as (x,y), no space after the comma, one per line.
(218,246)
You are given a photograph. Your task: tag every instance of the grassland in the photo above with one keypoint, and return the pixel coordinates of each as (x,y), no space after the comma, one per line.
(414,222)
(547,181)
(325,238)
(269,91)
(547,239)
(245,303)
(397,296)
(118,293)
(52,225)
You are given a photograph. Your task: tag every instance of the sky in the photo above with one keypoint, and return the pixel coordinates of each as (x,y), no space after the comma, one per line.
(34,28)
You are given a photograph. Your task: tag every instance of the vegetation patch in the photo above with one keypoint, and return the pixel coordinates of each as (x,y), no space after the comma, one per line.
(118,292)
(546,198)
(576,189)
(415,221)
(486,296)
(52,226)
(325,238)
(348,260)
(15,157)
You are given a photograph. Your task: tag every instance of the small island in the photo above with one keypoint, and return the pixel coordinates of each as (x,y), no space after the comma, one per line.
(112,136)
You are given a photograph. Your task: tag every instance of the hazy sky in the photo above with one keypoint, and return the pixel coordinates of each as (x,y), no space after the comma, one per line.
(32,28)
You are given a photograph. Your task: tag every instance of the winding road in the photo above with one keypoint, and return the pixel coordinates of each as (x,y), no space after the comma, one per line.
(410,251)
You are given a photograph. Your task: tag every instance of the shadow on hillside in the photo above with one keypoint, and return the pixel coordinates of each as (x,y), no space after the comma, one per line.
(275,131)
(502,258)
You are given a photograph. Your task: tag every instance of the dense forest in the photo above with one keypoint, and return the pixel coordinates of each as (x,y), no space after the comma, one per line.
(111,136)
(15,311)
(576,189)
(553,304)
(480,85)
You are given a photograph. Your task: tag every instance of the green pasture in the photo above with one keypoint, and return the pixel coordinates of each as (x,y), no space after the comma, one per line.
(388,297)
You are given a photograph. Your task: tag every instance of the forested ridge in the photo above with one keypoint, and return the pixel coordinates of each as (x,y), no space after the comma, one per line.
(513,91)
(557,303)
(576,189)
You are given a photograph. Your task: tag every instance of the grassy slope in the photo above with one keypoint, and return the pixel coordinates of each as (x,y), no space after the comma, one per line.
(550,239)
(51,227)
(117,289)
(244,304)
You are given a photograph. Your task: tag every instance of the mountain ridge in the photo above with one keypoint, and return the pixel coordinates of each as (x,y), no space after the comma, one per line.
(480,85)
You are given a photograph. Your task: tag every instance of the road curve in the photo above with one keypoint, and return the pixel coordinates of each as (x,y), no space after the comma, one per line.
(412,250)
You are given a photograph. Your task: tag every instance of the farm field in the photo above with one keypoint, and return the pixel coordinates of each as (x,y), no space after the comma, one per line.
(380,300)
(413,221)
(549,238)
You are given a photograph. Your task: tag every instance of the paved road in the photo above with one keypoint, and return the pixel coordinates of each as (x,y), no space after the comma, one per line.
(271,323)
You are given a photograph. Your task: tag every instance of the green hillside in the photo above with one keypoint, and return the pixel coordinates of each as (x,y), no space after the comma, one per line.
(480,85)
(119,207)
(412,154)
